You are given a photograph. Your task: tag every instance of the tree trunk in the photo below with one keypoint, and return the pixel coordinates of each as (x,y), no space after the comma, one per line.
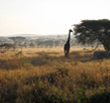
(106,46)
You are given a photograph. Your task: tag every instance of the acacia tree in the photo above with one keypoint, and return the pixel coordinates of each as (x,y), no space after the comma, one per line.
(88,31)
(18,40)
(6,46)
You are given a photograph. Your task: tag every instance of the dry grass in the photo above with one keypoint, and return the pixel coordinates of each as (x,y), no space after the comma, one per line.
(44,75)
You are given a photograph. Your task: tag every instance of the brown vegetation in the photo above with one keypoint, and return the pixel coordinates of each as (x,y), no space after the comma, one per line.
(46,76)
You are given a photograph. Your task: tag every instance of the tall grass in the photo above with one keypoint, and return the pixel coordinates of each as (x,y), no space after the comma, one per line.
(48,78)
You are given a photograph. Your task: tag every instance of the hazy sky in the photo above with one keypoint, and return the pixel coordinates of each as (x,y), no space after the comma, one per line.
(48,16)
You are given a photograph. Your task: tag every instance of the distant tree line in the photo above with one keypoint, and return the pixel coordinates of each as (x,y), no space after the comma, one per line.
(22,42)
(46,43)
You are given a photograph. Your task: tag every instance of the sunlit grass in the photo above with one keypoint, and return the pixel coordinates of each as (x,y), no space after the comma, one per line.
(46,76)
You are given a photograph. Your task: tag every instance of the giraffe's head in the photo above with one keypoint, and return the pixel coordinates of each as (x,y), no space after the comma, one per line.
(70,30)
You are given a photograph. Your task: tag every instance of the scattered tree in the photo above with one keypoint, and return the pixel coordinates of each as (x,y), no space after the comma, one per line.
(5,46)
(17,39)
(89,31)
(32,44)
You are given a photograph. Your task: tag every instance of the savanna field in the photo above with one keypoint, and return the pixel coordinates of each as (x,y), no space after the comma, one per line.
(44,75)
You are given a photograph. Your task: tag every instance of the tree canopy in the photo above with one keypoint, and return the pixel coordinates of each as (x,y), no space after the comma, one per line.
(88,31)
(17,39)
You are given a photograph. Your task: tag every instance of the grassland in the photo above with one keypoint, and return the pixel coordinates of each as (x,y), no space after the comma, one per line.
(44,75)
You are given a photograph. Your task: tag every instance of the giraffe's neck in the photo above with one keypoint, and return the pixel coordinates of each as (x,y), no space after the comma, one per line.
(68,40)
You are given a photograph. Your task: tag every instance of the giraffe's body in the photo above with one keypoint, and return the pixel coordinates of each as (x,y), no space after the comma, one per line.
(67,45)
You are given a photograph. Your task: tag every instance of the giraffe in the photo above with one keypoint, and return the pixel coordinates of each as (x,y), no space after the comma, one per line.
(67,45)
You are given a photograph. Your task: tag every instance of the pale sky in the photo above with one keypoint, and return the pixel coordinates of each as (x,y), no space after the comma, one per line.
(44,17)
